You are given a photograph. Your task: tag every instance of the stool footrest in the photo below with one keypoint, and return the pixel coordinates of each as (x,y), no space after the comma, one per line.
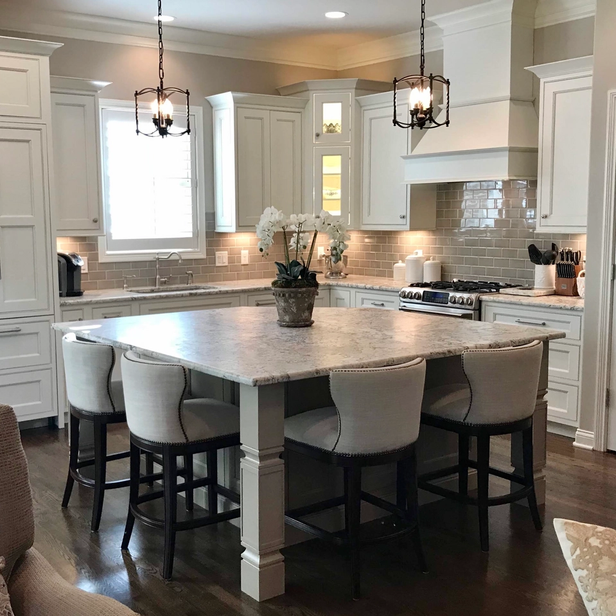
(471,500)
(184,524)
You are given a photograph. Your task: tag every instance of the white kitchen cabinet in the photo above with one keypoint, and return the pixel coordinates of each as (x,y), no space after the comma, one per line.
(263,298)
(564,145)
(377,299)
(78,203)
(386,202)
(322,299)
(224,300)
(114,311)
(25,343)
(30,393)
(258,154)
(340,298)
(564,368)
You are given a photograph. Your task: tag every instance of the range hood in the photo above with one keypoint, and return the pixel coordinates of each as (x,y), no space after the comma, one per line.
(494,125)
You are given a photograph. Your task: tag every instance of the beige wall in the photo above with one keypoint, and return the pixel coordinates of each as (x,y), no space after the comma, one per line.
(571,39)
(386,71)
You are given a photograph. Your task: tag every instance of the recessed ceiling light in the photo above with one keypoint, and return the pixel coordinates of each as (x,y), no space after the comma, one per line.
(335,14)
(164,18)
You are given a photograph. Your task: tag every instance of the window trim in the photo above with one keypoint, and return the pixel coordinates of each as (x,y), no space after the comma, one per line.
(196,118)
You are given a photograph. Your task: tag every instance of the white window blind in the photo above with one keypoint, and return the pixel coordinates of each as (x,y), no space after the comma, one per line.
(150,186)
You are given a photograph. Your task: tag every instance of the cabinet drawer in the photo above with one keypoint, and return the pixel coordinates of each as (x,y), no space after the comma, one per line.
(340,298)
(366,299)
(564,361)
(25,343)
(111,312)
(20,87)
(562,320)
(29,393)
(261,299)
(183,305)
(563,402)
(75,314)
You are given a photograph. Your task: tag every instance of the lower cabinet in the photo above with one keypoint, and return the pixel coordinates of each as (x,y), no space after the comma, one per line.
(376,299)
(565,355)
(187,305)
(340,298)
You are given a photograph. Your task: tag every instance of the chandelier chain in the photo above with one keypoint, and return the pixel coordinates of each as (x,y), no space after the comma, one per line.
(422,34)
(161,47)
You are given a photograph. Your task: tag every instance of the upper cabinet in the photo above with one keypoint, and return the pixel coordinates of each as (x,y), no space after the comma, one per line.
(387,203)
(76,148)
(258,157)
(564,145)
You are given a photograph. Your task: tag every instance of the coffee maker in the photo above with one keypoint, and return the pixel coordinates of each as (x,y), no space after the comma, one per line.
(69,274)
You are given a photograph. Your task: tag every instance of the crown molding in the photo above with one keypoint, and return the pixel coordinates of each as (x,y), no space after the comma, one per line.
(552,12)
(76,84)
(28,46)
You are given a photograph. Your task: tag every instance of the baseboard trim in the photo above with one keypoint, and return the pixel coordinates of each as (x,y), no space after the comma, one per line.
(562,429)
(584,439)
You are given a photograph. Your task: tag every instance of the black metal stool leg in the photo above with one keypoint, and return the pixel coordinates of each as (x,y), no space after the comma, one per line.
(401,484)
(73,458)
(212,473)
(463,444)
(353,507)
(483,486)
(170,477)
(100,471)
(188,477)
(413,508)
(135,476)
(149,467)
(529,476)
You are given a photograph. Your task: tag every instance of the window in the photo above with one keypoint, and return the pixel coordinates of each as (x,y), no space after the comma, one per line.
(152,196)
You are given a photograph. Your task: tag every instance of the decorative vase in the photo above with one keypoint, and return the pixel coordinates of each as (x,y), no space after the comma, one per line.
(295,306)
(335,269)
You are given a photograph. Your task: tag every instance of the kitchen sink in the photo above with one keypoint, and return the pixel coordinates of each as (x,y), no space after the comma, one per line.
(172,288)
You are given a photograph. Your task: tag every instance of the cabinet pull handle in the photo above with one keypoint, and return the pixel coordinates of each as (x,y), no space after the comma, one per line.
(402,216)
(544,216)
(522,322)
(10,330)
(95,220)
(264,303)
(381,304)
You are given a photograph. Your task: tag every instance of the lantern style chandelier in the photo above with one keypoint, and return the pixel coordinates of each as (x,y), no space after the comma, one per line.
(162,108)
(422,91)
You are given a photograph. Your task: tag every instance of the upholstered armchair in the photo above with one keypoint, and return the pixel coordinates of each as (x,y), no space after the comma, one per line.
(35,588)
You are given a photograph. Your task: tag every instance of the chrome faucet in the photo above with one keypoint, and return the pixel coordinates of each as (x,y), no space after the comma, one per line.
(158,259)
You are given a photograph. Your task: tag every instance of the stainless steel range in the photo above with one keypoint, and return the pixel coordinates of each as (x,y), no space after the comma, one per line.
(459,298)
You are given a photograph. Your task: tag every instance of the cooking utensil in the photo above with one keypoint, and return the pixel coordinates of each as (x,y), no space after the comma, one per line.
(535,254)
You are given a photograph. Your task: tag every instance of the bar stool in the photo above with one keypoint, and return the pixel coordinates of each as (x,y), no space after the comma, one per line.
(164,422)
(498,398)
(92,397)
(375,421)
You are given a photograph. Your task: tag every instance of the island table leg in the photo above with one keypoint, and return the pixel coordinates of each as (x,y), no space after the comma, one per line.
(540,424)
(262,490)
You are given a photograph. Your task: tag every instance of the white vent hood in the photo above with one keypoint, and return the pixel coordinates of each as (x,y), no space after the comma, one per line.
(494,125)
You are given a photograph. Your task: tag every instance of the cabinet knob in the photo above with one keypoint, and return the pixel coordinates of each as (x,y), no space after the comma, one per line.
(402,216)
(95,220)
(544,216)
(317,135)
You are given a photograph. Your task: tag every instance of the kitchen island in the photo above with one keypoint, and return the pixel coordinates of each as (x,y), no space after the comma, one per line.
(246,346)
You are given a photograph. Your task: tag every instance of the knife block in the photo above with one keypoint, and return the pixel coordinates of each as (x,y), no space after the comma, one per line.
(568,286)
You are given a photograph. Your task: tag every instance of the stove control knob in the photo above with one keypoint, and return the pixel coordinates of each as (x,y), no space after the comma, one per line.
(452,299)
(469,301)
(402,293)
(417,295)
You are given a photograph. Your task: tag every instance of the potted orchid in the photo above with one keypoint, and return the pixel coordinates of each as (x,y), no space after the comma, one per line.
(296,286)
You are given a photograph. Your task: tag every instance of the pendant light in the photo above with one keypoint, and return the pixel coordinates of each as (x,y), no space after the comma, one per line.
(422,91)
(162,108)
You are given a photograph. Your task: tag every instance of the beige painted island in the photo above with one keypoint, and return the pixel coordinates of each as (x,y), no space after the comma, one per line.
(279,370)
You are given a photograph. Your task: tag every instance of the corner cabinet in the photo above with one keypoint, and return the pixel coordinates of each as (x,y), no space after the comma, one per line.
(564,145)
(76,145)
(258,157)
(387,203)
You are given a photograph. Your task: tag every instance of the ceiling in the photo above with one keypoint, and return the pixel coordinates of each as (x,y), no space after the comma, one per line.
(297,21)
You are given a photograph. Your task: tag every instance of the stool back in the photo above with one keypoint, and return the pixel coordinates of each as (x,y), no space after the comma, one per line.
(503,383)
(379,409)
(88,367)
(154,396)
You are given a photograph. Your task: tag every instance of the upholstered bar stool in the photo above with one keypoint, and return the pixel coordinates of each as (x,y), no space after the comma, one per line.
(375,421)
(164,422)
(499,398)
(92,397)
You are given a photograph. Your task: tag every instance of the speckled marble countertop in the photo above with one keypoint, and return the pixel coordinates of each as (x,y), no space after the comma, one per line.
(545,301)
(240,286)
(246,345)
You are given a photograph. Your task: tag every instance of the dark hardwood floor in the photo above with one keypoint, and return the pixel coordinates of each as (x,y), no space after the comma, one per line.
(524,573)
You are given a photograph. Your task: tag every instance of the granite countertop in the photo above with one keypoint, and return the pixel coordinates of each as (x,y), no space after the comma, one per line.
(562,302)
(239,286)
(246,345)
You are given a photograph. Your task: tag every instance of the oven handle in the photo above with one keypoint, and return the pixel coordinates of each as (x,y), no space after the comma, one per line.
(461,315)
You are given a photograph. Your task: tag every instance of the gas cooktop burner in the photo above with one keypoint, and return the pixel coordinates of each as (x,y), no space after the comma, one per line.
(465,286)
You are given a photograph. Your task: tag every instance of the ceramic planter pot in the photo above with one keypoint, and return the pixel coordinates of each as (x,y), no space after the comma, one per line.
(295,306)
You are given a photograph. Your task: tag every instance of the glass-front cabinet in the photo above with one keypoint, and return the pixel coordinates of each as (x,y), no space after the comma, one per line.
(332,181)
(332,117)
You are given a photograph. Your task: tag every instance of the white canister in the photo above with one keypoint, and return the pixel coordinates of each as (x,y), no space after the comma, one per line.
(399,271)
(414,267)
(432,270)
(545,276)
(581,283)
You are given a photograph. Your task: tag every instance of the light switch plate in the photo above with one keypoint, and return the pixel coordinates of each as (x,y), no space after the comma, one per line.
(320,252)
(245,257)
(222,258)
(84,267)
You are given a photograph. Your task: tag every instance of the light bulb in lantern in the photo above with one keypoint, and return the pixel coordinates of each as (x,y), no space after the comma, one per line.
(167,109)
(420,98)
(154,107)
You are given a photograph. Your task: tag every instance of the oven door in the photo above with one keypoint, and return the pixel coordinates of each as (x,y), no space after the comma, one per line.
(445,311)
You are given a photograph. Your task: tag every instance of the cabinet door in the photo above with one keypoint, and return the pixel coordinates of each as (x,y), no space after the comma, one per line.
(286,160)
(76,164)
(261,299)
(20,86)
(332,181)
(25,268)
(340,298)
(332,117)
(253,165)
(385,198)
(183,305)
(374,299)
(564,157)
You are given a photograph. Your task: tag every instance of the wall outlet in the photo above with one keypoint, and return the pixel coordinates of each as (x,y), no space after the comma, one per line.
(222,258)
(322,252)
(245,257)
(84,267)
